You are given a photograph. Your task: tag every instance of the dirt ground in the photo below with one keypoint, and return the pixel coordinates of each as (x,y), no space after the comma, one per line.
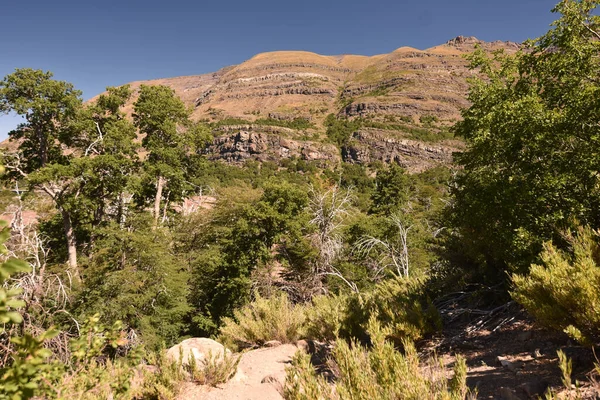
(510,357)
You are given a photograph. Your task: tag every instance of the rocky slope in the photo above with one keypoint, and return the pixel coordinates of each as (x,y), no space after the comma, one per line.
(422,89)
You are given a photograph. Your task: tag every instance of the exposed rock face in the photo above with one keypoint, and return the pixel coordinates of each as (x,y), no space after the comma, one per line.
(246,144)
(296,83)
(202,349)
(377,145)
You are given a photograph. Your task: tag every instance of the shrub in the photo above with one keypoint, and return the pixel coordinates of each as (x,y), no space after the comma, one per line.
(399,304)
(377,373)
(218,369)
(160,383)
(274,318)
(402,305)
(563,292)
(326,317)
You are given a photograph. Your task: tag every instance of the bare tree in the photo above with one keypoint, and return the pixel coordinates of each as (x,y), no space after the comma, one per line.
(394,254)
(329,209)
(45,294)
(56,190)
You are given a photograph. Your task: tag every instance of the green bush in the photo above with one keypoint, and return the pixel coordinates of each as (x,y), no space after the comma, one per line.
(380,372)
(274,318)
(402,305)
(563,292)
(326,318)
(399,304)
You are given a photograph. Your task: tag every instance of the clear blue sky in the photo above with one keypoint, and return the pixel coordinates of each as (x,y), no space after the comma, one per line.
(108,43)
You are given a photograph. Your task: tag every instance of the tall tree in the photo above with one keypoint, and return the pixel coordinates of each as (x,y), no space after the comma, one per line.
(163,118)
(531,167)
(82,157)
(46,104)
(48,107)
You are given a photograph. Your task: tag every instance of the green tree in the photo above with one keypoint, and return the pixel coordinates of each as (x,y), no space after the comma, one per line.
(533,156)
(87,180)
(240,237)
(164,120)
(107,157)
(392,189)
(47,105)
(134,276)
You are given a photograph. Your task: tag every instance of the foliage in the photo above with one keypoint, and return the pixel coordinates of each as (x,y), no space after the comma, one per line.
(94,371)
(135,277)
(563,291)
(392,188)
(339,131)
(326,317)
(216,369)
(163,381)
(21,377)
(264,319)
(530,168)
(240,238)
(401,305)
(380,372)
(46,105)
(171,141)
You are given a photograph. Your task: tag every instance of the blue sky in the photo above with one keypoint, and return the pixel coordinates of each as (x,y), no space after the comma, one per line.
(108,43)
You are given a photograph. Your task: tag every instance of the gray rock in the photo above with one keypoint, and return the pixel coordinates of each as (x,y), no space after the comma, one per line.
(202,349)
(506,364)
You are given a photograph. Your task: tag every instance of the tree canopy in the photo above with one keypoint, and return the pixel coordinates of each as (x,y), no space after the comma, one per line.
(531,167)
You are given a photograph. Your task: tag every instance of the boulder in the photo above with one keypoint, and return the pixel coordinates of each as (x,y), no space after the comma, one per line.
(200,348)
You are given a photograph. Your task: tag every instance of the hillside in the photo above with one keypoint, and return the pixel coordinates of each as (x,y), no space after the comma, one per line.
(273,106)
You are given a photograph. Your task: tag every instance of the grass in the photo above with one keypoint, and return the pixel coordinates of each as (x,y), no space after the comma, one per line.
(264,319)
(217,369)
(416,133)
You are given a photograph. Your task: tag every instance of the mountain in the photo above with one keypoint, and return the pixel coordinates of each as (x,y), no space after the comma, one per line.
(274,105)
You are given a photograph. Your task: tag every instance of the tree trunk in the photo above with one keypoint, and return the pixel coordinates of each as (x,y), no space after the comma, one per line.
(43,149)
(160,183)
(71,244)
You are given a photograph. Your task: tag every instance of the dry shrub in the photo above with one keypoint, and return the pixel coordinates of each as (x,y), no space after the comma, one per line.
(380,372)
(217,369)
(274,318)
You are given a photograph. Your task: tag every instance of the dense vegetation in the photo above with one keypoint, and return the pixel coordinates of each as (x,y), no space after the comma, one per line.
(142,241)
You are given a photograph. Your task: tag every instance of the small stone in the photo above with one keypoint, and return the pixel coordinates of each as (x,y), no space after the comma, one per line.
(533,389)
(272,343)
(506,364)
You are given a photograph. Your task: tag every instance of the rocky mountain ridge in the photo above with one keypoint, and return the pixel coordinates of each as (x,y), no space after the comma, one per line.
(405,101)
(408,89)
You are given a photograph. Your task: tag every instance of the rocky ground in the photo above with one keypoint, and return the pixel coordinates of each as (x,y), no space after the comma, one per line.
(511,357)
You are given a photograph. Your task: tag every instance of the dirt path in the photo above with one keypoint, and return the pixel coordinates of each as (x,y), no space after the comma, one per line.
(260,376)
